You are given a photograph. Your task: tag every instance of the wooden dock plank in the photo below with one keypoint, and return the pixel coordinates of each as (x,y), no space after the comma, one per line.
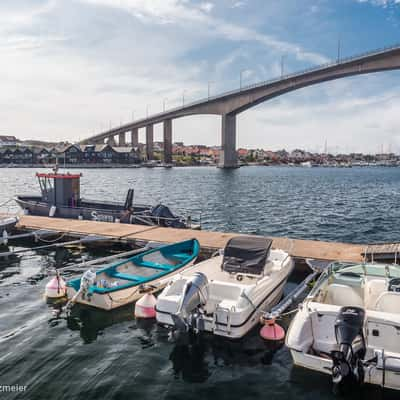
(82,227)
(211,240)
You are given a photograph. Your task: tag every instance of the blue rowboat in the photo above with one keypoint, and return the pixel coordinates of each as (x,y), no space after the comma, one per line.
(126,281)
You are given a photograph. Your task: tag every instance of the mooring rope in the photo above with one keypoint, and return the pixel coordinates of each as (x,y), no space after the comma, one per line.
(5,203)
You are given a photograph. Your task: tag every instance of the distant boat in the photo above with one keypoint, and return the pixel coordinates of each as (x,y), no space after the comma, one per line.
(127,281)
(308,164)
(60,198)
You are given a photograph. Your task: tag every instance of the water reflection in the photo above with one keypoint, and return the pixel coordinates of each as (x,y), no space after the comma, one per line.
(92,322)
(195,356)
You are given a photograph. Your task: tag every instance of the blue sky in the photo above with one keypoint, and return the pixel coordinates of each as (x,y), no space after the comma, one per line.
(69,67)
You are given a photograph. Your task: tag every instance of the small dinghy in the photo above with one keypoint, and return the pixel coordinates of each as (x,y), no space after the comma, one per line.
(349,326)
(226,294)
(127,281)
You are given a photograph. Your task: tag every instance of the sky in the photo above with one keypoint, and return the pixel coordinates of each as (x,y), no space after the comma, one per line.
(72,68)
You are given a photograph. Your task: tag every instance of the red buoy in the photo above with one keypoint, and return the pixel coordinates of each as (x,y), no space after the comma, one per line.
(145,307)
(272,331)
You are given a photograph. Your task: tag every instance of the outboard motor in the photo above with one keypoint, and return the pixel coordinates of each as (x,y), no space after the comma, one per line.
(347,361)
(194,295)
(164,217)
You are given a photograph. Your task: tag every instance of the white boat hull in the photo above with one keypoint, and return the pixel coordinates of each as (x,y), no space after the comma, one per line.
(241,323)
(373,375)
(311,337)
(231,318)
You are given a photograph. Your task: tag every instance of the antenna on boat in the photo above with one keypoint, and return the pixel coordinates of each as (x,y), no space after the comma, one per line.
(366,254)
(387,271)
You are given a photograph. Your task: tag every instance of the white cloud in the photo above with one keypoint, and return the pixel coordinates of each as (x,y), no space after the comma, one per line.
(239,4)
(207,6)
(383,3)
(180,12)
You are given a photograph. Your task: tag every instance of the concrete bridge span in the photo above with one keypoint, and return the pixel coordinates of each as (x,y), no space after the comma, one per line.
(230,104)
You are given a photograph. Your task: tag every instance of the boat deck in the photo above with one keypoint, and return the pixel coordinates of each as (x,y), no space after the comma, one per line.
(209,241)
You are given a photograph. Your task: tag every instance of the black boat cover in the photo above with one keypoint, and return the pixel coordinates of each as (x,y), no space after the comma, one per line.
(166,217)
(244,254)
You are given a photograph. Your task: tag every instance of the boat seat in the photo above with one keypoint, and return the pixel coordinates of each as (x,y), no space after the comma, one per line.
(388,302)
(120,275)
(178,256)
(154,265)
(372,290)
(343,295)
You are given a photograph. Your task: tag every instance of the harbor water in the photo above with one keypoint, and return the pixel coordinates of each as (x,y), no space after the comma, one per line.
(94,354)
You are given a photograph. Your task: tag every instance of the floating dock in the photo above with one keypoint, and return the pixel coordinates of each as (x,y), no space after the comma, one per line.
(210,241)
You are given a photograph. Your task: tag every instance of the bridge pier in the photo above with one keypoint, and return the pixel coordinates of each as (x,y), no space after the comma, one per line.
(135,137)
(121,139)
(167,141)
(149,142)
(227,155)
(111,141)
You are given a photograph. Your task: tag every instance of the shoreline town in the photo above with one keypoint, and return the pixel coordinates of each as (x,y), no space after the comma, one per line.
(36,154)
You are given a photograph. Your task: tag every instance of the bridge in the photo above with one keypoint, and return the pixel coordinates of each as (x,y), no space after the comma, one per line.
(232,103)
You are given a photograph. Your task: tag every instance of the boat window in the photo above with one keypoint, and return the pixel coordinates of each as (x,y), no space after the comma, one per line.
(359,270)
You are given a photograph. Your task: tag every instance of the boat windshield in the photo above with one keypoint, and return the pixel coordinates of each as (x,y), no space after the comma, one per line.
(371,269)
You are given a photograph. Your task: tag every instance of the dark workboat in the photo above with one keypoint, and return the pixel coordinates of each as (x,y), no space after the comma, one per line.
(61,198)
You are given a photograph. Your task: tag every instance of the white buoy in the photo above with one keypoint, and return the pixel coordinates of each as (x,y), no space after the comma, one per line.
(56,288)
(5,238)
(145,307)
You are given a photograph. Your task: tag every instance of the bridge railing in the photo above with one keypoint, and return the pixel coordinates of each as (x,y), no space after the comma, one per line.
(296,74)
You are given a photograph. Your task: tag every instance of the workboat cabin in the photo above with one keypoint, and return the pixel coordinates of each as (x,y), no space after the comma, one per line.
(61,198)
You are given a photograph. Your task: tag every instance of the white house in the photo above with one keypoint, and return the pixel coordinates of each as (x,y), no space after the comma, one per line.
(8,141)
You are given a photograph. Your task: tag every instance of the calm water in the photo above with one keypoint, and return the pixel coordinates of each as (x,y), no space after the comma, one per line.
(353,205)
(110,355)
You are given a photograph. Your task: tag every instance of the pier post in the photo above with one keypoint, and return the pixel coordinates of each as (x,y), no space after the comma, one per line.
(121,139)
(227,155)
(135,137)
(167,141)
(149,142)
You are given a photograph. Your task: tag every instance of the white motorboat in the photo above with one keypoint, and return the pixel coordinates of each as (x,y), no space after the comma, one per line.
(226,294)
(349,325)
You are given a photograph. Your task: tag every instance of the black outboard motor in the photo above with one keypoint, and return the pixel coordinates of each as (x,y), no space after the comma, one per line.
(347,361)
(164,217)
